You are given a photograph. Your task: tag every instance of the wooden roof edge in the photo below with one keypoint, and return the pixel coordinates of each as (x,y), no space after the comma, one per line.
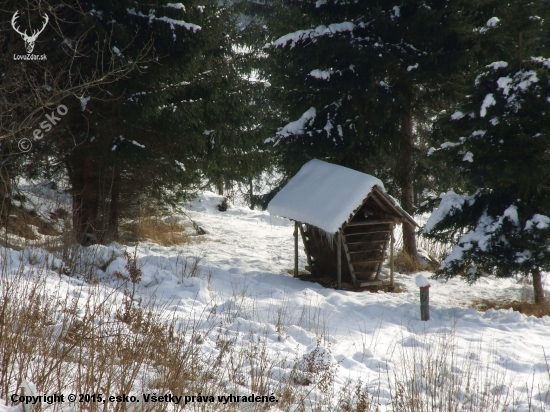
(391,201)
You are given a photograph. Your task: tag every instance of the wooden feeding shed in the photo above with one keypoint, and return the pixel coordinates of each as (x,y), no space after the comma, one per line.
(345,219)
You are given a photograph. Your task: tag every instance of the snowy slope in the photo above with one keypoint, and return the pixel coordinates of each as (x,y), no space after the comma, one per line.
(245,289)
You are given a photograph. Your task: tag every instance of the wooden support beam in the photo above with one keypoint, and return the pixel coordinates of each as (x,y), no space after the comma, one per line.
(348,258)
(295,249)
(339,259)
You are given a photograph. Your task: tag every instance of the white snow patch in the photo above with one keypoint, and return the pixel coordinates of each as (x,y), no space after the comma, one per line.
(84,102)
(321,74)
(468,157)
(178,6)
(497,65)
(477,133)
(180,164)
(412,67)
(421,281)
(487,102)
(449,144)
(450,202)
(538,221)
(512,214)
(493,21)
(297,36)
(504,84)
(526,79)
(457,115)
(173,22)
(298,126)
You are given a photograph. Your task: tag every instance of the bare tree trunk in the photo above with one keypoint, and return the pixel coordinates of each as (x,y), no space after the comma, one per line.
(113,207)
(405,169)
(5,185)
(85,202)
(252,202)
(537,285)
(219,185)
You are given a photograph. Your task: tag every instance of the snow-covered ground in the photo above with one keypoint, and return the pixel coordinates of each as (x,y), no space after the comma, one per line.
(244,288)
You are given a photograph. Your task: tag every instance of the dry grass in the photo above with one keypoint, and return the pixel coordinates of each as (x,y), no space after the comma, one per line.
(154,229)
(404,263)
(527,308)
(21,222)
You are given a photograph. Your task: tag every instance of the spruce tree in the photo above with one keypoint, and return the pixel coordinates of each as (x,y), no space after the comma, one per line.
(179,111)
(358,78)
(499,141)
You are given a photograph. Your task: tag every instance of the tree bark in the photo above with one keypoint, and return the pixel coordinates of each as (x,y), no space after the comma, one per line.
(405,169)
(114,205)
(252,202)
(219,185)
(537,286)
(81,170)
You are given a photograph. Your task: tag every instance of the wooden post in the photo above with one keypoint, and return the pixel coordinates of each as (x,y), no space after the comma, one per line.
(424,286)
(425,303)
(295,249)
(391,256)
(339,259)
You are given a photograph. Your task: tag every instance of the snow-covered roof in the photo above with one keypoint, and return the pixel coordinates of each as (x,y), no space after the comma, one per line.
(324,195)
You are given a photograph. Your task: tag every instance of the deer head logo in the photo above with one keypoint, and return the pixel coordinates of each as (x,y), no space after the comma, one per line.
(29,40)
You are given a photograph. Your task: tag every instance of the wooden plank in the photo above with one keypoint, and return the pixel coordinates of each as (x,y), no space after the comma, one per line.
(348,258)
(370,283)
(366,241)
(305,247)
(339,260)
(368,261)
(370,222)
(366,251)
(386,200)
(367,233)
(383,204)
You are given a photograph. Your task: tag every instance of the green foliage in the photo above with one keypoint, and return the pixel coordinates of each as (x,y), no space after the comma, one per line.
(499,142)
(363,67)
(164,103)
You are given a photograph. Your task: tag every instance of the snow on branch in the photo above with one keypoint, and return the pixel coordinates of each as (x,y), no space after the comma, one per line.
(300,35)
(451,203)
(296,127)
(171,22)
